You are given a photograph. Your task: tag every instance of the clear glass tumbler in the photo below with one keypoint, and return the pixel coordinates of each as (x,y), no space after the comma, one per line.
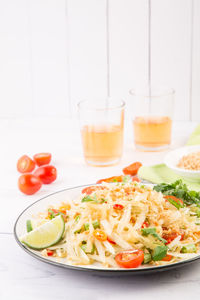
(102,126)
(152,118)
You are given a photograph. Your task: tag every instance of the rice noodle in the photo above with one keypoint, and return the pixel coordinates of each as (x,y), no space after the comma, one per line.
(122,228)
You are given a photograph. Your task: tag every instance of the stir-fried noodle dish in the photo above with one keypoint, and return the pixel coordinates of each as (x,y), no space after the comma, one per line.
(120,225)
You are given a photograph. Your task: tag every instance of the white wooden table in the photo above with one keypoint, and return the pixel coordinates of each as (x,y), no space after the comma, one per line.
(23,277)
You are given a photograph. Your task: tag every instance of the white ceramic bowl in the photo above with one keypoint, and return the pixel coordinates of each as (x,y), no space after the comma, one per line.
(173,157)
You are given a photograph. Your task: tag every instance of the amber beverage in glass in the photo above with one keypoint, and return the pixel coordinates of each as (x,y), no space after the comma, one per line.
(102,125)
(152,119)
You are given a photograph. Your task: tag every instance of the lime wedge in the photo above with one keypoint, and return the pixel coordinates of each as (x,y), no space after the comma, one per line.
(46,235)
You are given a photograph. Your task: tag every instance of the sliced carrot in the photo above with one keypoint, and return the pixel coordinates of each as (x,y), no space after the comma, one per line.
(132,169)
(177,200)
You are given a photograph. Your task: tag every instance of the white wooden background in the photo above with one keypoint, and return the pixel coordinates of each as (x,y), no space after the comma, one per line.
(54,53)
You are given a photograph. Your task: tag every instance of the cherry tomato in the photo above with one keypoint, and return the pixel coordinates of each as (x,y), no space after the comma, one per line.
(171,236)
(130,258)
(111,241)
(47,174)
(50,252)
(100,235)
(118,206)
(111,179)
(90,189)
(42,158)
(145,225)
(167,258)
(132,169)
(135,178)
(29,184)
(177,200)
(25,164)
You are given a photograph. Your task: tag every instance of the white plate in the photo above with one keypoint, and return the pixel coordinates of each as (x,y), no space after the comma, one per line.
(55,199)
(173,157)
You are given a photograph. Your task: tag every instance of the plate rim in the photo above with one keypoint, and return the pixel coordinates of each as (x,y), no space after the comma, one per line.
(89,269)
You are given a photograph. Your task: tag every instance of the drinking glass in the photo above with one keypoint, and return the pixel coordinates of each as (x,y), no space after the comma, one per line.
(152,118)
(102,125)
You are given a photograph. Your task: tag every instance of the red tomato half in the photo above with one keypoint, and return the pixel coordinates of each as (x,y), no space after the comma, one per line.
(25,164)
(47,174)
(130,258)
(29,184)
(42,158)
(132,169)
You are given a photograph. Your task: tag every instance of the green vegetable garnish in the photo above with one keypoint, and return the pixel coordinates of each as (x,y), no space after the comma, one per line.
(152,231)
(126,179)
(159,253)
(84,247)
(29,226)
(147,258)
(179,190)
(78,230)
(51,214)
(96,224)
(88,198)
(191,248)
(86,226)
(173,202)
(196,210)
(115,180)
(103,200)
(77,218)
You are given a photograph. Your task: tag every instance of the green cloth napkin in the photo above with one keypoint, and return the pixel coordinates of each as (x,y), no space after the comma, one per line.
(161,173)
(195,137)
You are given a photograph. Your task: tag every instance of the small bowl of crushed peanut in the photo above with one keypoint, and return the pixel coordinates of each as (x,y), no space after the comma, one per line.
(185,162)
